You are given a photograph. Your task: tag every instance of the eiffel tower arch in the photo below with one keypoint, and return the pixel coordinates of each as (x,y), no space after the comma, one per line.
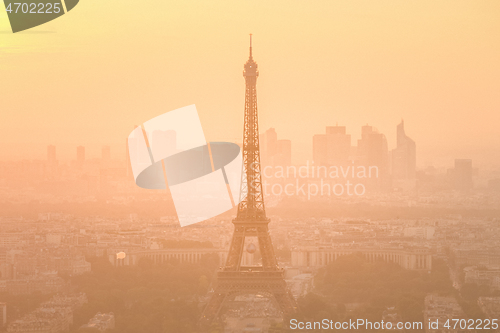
(251,221)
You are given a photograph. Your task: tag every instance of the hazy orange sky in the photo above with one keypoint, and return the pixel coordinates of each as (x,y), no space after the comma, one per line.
(88,77)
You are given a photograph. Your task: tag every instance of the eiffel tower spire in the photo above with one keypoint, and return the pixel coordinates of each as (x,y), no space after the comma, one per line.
(252,206)
(250,46)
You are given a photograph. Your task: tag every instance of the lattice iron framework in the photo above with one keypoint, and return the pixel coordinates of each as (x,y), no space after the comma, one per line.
(250,221)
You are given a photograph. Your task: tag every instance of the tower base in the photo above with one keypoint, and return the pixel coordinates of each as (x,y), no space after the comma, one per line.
(248,280)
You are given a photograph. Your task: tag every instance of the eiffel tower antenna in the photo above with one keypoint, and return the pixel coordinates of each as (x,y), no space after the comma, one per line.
(250,46)
(234,279)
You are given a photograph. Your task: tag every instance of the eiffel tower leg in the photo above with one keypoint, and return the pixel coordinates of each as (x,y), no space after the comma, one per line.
(212,309)
(236,249)
(286,303)
(266,249)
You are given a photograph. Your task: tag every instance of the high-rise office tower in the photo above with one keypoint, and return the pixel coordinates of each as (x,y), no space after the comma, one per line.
(271,142)
(319,149)
(129,150)
(461,175)
(283,155)
(80,155)
(332,148)
(106,153)
(51,155)
(372,152)
(372,148)
(338,145)
(275,152)
(164,142)
(404,156)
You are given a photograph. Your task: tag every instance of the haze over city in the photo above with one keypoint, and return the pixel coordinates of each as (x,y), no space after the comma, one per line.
(364,185)
(348,62)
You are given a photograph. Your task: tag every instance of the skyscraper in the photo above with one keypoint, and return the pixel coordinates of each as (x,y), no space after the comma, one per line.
(320,149)
(271,142)
(461,175)
(164,142)
(283,156)
(372,151)
(332,148)
(51,155)
(338,145)
(129,150)
(275,152)
(80,155)
(106,153)
(404,156)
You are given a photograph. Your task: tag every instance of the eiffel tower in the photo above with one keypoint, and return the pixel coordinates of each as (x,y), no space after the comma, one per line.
(235,279)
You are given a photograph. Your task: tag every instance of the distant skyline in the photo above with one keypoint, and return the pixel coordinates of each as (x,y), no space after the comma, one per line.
(66,153)
(87,78)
